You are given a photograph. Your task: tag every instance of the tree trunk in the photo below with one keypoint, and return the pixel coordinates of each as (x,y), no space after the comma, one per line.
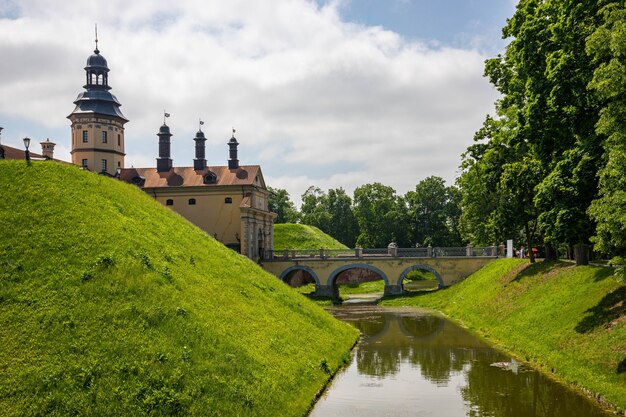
(529,242)
(581,254)
(550,252)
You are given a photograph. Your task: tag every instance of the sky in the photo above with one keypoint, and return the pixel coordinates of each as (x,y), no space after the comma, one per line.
(327,93)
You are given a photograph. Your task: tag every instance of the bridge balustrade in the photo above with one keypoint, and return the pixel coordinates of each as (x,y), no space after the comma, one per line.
(359,253)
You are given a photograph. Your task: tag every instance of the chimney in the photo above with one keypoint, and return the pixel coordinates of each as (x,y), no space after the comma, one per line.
(199,163)
(164,162)
(47,149)
(233,162)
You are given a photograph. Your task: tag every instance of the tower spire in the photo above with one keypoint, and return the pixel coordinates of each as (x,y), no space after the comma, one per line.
(96,50)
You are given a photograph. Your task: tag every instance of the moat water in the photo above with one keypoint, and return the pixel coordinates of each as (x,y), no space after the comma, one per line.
(412,363)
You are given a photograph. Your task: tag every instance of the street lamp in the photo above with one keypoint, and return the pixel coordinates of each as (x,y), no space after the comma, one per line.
(26,145)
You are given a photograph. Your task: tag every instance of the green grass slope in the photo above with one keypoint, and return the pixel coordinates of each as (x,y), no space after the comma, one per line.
(302,236)
(111,304)
(567,320)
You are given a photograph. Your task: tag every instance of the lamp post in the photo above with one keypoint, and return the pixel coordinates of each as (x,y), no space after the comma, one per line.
(27,153)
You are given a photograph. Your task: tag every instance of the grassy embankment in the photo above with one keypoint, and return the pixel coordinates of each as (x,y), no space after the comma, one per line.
(569,321)
(111,304)
(302,236)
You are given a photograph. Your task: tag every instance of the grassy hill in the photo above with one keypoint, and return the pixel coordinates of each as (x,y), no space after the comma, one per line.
(567,320)
(111,304)
(302,236)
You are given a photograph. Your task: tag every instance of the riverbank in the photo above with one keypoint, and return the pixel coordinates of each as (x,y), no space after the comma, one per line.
(565,320)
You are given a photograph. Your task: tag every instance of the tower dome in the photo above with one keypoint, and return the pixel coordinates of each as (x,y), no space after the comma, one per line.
(97,62)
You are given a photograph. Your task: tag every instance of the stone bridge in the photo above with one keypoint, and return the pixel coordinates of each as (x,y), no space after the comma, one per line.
(449,265)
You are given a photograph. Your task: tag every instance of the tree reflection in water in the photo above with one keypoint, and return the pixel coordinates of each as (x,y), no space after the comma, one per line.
(450,358)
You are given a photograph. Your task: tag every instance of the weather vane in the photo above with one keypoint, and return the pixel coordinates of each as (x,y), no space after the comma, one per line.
(201,123)
(165,114)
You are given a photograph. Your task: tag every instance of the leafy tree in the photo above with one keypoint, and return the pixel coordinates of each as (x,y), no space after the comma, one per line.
(607,46)
(343,224)
(433,210)
(313,210)
(381,215)
(484,219)
(280,203)
(544,129)
(330,212)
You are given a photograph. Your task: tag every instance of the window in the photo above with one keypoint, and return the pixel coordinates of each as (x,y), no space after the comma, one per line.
(85,136)
(104,137)
(192,201)
(210,178)
(119,140)
(85,164)
(228,200)
(169,202)
(104,165)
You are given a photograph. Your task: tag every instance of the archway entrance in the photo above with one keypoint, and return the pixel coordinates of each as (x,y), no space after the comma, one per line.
(302,278)
(362,282)
(419,278)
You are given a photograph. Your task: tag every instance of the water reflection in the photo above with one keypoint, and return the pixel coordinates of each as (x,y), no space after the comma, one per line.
(417,364)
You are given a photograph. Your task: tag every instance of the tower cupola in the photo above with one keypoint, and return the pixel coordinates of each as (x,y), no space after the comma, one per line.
(233,162)
(97,71)
(199,163)
(164,162)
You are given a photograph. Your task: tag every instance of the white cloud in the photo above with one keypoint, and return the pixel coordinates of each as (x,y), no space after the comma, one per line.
(314,99)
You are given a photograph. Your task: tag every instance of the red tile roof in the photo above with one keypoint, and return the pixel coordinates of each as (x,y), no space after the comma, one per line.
(188,177)
(15,153)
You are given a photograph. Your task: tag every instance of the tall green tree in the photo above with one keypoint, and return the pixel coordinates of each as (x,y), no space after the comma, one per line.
(331,212)
(433,210)
(485,217)
(313,210)
(545,122)
(343,225)
(607,46)
(381,215)
(280,203)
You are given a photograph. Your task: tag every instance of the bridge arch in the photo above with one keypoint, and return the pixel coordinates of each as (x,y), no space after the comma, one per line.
(422,268)
(285,274)
(333,276)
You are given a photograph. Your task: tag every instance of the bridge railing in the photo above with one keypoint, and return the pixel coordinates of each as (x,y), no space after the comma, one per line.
(391,252)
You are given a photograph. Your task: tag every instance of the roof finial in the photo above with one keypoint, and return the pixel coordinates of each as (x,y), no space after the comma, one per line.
(234,132)
(96,50)
(165,114)
(200,123)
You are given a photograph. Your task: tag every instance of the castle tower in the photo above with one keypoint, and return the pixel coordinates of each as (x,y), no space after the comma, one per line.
(97,121)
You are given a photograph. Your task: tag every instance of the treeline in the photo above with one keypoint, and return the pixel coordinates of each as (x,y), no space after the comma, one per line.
(376,216)
(550,165)
(548,169)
